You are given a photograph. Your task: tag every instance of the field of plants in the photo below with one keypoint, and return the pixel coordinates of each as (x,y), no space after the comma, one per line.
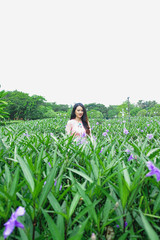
(103,187)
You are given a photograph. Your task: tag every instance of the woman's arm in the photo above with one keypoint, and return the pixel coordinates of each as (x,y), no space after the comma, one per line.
(68,128)
(89,128)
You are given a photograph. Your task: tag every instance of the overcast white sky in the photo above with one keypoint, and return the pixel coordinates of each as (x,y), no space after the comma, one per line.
(81,51)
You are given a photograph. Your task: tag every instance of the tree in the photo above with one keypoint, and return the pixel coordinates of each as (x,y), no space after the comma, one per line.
(112,111)
(17,104)
(98,107)
(134,111)
(22,106)
(155,111)
(59,107)
(3,105)
(123,109)
(142,113)
(95,114)
(146,104)
(36,109)
(50,114)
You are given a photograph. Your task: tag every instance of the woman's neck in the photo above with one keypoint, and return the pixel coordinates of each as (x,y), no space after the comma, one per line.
(78,119)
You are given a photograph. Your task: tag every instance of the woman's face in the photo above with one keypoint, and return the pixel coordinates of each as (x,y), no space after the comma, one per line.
(79,112)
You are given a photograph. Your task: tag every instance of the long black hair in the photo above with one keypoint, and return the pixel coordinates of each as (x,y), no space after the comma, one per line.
(84,118)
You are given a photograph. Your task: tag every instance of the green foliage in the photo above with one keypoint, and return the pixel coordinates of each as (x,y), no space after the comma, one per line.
(124,109)
(146,104)
(3,104)
(22,106)
(134,111)
(112,111)
(95,114)
(97,107)
(59,107)
(71,190)
(50,114)
(155,111)
(142,113)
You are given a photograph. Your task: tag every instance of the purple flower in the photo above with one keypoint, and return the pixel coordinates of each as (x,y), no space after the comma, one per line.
(104,134)
(12,222)
(127,150)
(149,136)
(101,150)
(97,123)
(125,224)
(26,134)
(55,183)
(125,131)
(83,135)
(49,164)
(60,188)
(83,141)
(153,170)
(94,137)
(117,226)
(130,157)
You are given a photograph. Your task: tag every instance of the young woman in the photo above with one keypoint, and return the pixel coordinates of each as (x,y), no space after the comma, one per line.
(78,124)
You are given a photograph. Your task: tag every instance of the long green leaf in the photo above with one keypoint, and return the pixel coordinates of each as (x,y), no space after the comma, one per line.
(157,204)
(81,174)
(15,182)
(79,231)
(106,210)
(87,201)
(74,204)
(23,234)
(149,230)
(152,153)
(95,169)
(55,232)
(124,236)
(47,187)
(137,176)
(7,175)
(56,206)
(123,189)
(27,173)
(39,161)
(126,175)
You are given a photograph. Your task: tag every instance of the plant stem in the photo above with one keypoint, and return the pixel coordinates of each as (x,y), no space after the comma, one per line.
(65,233)
(124,220)
(34,228)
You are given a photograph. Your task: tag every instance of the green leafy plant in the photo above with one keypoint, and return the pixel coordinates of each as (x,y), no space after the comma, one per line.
(74,190)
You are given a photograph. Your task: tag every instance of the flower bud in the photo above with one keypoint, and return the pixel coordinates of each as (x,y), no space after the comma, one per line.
(117,205)
(93,236)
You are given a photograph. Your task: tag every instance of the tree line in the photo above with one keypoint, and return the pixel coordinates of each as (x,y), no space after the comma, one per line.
(16,105)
